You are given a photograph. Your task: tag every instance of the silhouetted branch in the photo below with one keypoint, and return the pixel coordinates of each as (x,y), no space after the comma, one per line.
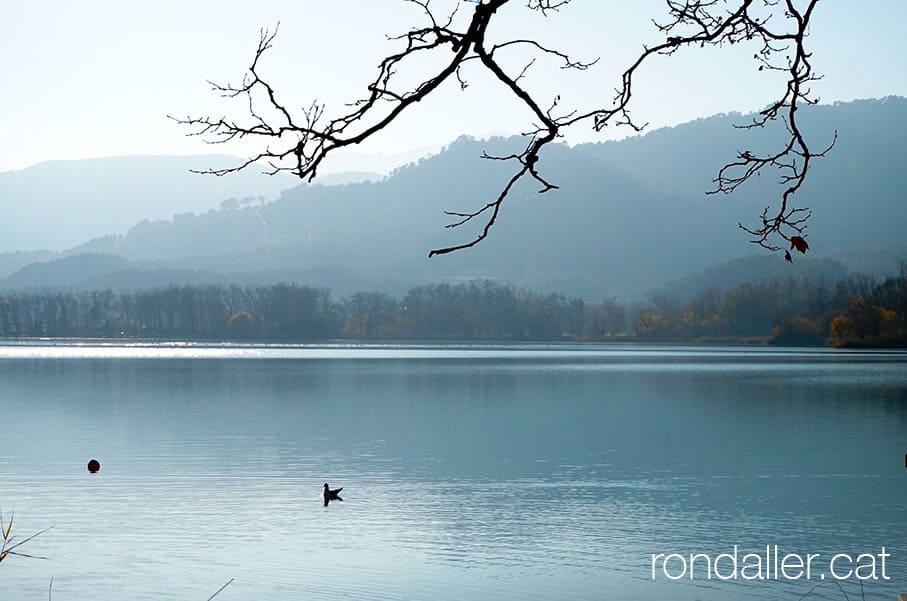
(778,28)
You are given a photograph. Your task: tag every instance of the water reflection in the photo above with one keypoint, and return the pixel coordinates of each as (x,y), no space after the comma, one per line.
(540,472)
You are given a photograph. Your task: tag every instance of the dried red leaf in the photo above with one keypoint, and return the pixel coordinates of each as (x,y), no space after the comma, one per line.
(799,243)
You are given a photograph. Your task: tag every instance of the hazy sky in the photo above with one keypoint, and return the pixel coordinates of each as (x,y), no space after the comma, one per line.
(97,78)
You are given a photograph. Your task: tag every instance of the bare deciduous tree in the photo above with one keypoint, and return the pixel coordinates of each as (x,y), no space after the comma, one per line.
(299,142)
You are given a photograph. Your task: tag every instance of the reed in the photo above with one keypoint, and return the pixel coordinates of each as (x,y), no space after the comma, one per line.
(9,545)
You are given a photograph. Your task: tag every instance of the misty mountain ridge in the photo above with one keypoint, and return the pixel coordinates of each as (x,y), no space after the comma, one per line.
(755,269)
(629,216)
(59,204)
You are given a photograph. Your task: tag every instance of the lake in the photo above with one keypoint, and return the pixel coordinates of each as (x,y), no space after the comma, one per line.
(507,472)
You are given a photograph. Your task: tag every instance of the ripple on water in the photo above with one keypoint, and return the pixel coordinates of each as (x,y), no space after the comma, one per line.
(518,472)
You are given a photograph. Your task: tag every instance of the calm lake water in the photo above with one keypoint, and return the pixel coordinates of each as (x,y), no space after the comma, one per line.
(506,472)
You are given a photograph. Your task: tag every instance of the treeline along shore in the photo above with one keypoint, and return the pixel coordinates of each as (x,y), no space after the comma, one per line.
(856,311)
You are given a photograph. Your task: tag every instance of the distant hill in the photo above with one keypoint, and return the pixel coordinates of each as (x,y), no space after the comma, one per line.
(879,261)
(857,192)
(14,261)
(90,270)
(66,272)
(753,269)
(628,217)
(875,262)
(349,177)
(59,204)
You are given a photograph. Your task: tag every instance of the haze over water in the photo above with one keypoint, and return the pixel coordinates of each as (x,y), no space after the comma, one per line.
(517,472)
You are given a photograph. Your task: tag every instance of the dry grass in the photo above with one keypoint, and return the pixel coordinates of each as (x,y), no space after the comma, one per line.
(9,544)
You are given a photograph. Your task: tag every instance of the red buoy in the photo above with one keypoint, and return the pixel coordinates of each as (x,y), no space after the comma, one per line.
(94,466)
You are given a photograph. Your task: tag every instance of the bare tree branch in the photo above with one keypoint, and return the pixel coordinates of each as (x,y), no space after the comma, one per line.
(777,28)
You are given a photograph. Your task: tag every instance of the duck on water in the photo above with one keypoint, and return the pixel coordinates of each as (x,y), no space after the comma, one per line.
(330,494)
